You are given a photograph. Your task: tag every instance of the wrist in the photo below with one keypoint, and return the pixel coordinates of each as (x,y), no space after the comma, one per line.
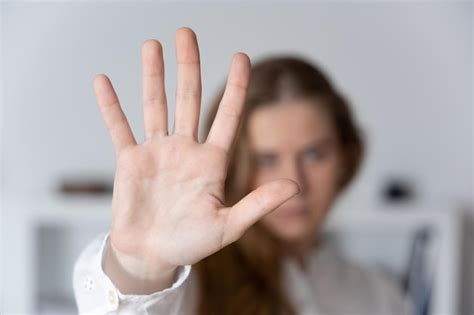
(137,276)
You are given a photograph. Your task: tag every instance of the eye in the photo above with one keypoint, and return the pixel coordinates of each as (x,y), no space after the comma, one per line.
(314,154)
(265,161)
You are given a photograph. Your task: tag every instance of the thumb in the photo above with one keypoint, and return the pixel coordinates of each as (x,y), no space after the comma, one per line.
(255,205)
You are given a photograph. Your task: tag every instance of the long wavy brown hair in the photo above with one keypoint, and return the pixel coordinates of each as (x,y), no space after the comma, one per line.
(245,277)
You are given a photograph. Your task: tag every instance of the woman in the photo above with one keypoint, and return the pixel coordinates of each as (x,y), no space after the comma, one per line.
(245,213)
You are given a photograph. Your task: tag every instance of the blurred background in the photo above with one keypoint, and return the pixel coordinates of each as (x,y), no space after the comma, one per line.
(406,67)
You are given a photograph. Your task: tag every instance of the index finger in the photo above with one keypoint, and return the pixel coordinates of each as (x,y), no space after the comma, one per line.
(230,109)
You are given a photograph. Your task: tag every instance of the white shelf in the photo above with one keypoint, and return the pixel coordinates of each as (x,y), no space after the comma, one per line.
(66,224)
(73,210)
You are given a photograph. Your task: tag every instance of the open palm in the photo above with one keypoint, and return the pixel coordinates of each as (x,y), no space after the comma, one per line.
(168,200)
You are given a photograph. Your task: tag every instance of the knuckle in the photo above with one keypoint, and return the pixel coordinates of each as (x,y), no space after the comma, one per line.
(260,200)
(230,111)
(188,93)
(154,101)
(237,86)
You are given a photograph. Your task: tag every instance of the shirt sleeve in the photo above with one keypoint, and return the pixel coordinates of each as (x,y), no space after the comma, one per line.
(95,292)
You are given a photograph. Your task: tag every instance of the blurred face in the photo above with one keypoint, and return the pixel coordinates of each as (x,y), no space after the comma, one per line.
(296,140)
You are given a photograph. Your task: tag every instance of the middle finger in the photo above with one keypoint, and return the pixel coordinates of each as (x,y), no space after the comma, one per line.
(188,88)
(154,96)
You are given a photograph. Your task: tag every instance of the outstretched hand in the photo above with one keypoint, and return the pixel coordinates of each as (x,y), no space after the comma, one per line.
(168,200)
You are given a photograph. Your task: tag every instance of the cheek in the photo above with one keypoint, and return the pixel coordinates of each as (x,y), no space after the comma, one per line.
(322,180)
(260,178)
(321,189)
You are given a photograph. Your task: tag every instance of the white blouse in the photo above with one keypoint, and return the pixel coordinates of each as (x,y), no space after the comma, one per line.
(331,285)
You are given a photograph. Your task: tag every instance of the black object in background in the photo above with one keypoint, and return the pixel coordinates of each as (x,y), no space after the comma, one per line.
(398,190)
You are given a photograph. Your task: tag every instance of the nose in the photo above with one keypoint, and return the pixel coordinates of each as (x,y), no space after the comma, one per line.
(293,169)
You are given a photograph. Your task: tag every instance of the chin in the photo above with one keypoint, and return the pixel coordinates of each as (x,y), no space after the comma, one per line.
(292,231)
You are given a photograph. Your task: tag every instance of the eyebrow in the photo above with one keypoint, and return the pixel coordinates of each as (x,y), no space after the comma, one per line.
(315,143)
(320,142)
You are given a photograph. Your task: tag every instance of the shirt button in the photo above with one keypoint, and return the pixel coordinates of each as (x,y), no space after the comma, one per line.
(88,284)
(112,298)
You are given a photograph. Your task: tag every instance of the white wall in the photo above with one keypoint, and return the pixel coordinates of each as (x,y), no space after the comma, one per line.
(406,67)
